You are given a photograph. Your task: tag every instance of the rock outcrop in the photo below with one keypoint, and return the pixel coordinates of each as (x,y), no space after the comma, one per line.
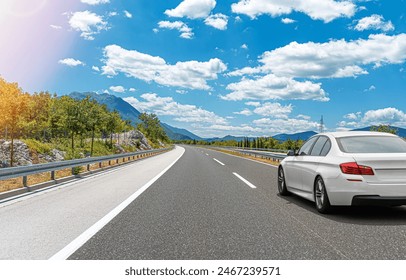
(132,138)
(24,156)
(21,153)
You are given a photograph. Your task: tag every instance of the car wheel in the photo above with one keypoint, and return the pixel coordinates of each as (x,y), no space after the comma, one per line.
(282,183)
(321,197)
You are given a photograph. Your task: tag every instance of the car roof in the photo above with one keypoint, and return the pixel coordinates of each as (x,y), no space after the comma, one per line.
(339,134)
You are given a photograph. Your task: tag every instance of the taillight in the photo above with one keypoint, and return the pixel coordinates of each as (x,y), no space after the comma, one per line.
(355,169)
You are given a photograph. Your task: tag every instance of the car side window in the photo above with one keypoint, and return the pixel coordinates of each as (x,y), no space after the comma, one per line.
(318,146)
(326,148)
(305,149)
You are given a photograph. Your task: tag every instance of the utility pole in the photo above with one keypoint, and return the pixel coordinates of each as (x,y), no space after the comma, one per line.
(321,127)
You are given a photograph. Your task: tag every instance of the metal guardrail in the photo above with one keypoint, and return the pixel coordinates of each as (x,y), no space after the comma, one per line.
(246,148)
(263,154)
(24,171)
(257,153)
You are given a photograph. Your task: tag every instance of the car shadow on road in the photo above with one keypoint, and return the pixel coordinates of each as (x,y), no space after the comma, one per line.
(362,215)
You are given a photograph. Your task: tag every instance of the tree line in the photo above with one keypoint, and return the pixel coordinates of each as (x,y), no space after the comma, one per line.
(44,117)
(250,143)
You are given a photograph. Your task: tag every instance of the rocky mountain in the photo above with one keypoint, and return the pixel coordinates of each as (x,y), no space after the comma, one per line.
(128,112)
(112,102)
(295,136)
(175,133)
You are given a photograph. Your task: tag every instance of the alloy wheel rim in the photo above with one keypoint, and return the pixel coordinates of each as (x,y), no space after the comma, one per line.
(281,180)
(320,195)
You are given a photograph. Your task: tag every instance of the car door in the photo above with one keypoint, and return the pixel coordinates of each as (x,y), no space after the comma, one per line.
(294,170)
(311,164)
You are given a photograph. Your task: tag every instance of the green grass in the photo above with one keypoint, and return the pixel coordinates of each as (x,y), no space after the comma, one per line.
(82,148)
(40,147)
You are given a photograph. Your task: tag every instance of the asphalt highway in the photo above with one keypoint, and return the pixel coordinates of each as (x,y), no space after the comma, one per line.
(211,205)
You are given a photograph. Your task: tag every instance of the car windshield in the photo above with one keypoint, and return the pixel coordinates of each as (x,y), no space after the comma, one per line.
(372,144)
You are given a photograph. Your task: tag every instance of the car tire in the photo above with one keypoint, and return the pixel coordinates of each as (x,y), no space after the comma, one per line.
(320,196)
(282,183)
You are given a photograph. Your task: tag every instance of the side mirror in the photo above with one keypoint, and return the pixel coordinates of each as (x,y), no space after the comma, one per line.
(291,153)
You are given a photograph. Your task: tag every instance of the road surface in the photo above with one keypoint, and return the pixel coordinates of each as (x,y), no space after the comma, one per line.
(208,205)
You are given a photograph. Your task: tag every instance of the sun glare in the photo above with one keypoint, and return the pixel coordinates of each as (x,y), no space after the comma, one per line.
(20,8)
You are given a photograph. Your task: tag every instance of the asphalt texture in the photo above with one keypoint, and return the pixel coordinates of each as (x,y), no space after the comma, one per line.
(200,210)
(42,223)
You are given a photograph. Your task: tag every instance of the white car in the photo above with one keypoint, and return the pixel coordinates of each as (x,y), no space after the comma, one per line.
(347,168)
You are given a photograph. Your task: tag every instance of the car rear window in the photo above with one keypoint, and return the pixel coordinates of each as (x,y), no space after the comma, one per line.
(371,144)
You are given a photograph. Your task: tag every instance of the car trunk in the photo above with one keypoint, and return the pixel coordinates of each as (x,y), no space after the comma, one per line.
(388,168)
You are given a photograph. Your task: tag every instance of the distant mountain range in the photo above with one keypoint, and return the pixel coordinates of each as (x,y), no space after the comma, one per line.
(399,131)
(128,112)
(295,136)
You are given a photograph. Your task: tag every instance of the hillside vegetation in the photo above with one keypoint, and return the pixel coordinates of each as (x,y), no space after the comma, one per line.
(79,128)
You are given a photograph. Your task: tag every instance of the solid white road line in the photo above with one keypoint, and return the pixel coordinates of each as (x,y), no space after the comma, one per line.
(207,154)
(244,180)
(219,161)
(90,232)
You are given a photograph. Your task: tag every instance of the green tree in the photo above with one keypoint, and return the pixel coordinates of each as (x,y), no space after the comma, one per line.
(151,127)
(13,104)
(384,128)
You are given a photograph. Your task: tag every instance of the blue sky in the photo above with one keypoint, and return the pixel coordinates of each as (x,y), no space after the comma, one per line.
(252,67)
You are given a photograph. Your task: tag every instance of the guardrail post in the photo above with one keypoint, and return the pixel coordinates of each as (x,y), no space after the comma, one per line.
(88,167)
(109,162)
(100,164)
(53,175)
(25,181)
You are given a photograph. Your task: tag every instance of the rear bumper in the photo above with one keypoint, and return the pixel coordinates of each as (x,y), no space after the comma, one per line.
(343,192)
(378,200)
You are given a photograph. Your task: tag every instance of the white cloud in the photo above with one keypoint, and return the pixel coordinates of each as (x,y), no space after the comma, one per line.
(118,89)
(374,22)
(95,2)
(334,59)
(113,14)
(132,90)
(156,30)
(274,87)
(275,110)
(218,21)
(181,91)
(245,71)
(287,20)
(389,115)
(87,23)
(192,9)
(326,10)
(217,129)
(95,68)
(371,88)
(386,116)
(128,14)
(305,117)
(244,46)
(353,116)
(185,31)
(166,106)
(56,27)
(71,62)
(253,103)
(289,125)
(188,74)
(245,112)
(238,19)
